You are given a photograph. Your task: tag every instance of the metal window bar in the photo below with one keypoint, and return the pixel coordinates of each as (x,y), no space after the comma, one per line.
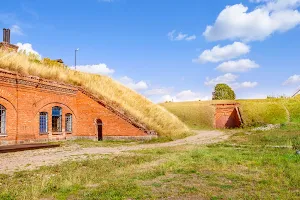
(43,122)
(2,120)
(68,122)
(56,119)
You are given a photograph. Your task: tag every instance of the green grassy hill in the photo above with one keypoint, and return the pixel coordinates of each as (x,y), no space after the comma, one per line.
(200,114)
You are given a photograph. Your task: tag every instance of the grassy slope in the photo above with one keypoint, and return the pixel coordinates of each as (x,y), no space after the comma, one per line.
(143,111)
(191,113)
(254,112)
(259,112)
(231,170)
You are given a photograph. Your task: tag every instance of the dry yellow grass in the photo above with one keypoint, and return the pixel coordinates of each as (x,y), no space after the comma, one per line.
(132,104)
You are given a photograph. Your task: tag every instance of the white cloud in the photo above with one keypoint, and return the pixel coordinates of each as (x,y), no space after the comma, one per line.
(242,65)
(27,48)
(281,4)
(181,36)
(246,84)
(158,91)
(226,78)
(190,38)
(173,36)
(295,79)
(15,29)
(231,80)
(186,95)
(95,69)
(217,53)
(234,22)
(249,84)
(141,85)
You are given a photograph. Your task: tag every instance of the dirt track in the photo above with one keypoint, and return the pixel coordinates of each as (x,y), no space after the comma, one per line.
(28,160)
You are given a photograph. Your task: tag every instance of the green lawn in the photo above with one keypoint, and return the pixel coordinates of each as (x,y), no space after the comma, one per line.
(247,166)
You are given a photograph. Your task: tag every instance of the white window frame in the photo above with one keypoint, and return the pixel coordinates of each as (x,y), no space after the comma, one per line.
(3,121)
(69,122)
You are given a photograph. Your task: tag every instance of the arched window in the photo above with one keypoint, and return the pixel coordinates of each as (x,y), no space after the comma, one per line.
(43,122)
(2,120)
(56,119)
(69,122)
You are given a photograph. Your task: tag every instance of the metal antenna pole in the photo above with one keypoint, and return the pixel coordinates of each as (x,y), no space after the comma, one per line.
(76,57)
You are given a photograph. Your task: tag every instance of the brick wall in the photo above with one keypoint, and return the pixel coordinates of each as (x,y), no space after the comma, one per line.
(227,116)
(25,97)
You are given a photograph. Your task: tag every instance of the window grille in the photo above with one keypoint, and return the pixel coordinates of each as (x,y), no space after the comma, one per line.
(56,119)
(2,120)
(43,122)
(68,122)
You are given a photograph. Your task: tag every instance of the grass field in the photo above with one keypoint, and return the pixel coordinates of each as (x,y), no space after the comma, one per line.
(135,106)
(260,165)
(200,114)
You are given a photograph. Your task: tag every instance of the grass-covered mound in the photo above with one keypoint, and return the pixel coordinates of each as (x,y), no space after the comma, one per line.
(123,99)
(197,114)
(260,112)
(270,111)
(200,114)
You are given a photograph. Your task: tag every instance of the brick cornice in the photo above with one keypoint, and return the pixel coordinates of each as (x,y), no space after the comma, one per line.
(36,82)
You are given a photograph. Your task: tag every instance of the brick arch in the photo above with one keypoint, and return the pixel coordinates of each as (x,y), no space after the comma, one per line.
(8,97)
(11,119)
(2,99)
(57,100)
(55,104)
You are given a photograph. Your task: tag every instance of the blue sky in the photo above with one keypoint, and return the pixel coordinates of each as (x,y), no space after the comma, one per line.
(168,50)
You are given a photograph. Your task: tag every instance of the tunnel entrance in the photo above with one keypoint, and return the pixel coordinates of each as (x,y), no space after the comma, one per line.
(227,116)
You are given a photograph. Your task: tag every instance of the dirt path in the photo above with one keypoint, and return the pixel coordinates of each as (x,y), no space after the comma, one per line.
(28,160)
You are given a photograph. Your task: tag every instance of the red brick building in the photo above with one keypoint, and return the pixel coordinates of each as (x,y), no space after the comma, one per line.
(34,110)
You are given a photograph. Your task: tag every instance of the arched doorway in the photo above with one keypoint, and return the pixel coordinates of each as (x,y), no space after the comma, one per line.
(99,129)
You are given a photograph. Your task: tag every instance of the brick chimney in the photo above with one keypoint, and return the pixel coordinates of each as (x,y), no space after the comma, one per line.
(5,45)
(6,36)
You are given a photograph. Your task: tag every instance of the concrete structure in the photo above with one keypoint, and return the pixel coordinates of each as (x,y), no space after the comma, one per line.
(227,115)
(36,110)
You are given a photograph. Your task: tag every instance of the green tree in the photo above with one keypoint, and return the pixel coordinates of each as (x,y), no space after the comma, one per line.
(223,92)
